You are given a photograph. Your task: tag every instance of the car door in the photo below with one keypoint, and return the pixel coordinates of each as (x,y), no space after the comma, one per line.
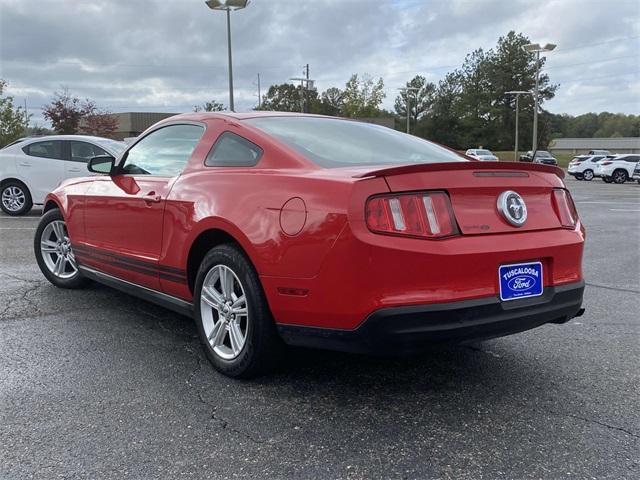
(42,167)
(80,152)
(124,211)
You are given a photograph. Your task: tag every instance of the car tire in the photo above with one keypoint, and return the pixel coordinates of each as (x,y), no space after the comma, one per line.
(239,337)
(54,254)
(619,176)
(15,198)
(587,175)
(578,176)
(607,179)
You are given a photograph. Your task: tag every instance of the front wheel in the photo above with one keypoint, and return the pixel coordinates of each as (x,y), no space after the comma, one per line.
(619,176)
(15,198)
(587,175)
(232,316)
(54,254)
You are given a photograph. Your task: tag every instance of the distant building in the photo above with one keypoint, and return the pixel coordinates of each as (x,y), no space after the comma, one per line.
(132,124)
(576,146)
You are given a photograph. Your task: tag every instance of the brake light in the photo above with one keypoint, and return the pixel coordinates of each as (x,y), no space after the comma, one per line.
(565,208)
(606,163)
(424,215)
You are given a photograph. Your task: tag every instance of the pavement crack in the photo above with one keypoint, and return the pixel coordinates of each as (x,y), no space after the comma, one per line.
(602,424)
(213,415)
(617,289)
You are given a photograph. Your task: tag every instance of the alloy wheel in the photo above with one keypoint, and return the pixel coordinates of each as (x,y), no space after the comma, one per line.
(13,198)
(587,175)
(224,311)
(619,176)
(56,250)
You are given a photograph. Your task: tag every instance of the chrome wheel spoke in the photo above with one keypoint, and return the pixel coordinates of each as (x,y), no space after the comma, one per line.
(212,297)
(216,337)
(58,231)
(226,281)
(236,338)
(47,246)
(58,268)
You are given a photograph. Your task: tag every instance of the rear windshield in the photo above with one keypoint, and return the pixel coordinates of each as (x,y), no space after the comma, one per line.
(332,143)
(483,152)
(543,154)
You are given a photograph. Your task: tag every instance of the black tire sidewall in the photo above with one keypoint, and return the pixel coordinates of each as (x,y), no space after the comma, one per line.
(624,178)
(261,348)
(28,201)
(77,281)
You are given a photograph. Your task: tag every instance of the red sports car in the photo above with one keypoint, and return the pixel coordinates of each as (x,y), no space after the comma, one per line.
(273,229)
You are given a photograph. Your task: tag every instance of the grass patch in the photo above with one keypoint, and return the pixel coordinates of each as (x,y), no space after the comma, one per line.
(563,158)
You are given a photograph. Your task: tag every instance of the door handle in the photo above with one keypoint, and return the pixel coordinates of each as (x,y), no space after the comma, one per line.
(152,197)
(75,170)
(24,164)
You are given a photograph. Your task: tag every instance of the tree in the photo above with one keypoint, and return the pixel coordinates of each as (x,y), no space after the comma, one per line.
(13,120)
(97,122)
(64,112)
(331,102)
(211,106)
(286,98)
(421,100)
(363,97)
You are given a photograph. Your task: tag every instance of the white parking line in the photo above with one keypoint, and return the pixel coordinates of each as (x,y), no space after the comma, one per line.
(622,210)
(17,228)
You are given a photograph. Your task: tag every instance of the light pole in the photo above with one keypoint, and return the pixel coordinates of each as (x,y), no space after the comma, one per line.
(517,93)
(407,91)
(228,5)
(536,48)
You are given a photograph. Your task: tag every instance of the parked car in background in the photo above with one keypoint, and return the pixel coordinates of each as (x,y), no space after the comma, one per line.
(270,229)
(606,153)
(636,172)
(618,169)
(541,156)
(583,167)
(481,154)
(30,168)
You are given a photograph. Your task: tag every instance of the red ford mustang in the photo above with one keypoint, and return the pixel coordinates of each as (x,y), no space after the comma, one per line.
(273,229)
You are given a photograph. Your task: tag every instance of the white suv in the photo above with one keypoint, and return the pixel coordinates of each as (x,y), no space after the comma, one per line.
(618,169)
(583,167)
(30,168)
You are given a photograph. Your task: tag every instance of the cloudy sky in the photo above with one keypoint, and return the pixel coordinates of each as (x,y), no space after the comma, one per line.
(168,55)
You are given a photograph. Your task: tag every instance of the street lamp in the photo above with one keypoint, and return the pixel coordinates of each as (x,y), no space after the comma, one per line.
(408,91)
(536,48)
(517,93)
(228,5)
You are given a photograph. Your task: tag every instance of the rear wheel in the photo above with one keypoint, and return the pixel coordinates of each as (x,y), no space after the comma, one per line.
(607,179)
(587,175)
(619,176)
(54,254)
(232,316)
(15,198)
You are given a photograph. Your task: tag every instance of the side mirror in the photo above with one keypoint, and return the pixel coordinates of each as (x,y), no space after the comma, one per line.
(101,164)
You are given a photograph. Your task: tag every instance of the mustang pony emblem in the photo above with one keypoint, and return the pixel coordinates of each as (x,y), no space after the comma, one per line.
(513,208)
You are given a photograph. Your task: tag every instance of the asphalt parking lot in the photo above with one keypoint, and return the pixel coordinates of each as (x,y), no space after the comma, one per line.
(97,384)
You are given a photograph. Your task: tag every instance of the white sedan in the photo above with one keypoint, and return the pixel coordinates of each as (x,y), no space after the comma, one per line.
(30,168)
(481,154)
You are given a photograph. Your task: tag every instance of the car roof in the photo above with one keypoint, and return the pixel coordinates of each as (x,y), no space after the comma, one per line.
(90,138)
(200,116)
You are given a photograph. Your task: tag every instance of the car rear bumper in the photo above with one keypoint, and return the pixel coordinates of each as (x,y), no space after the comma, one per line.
(410,329)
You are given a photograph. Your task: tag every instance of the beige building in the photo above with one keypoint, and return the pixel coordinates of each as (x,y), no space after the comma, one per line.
(576,146)
(132,124)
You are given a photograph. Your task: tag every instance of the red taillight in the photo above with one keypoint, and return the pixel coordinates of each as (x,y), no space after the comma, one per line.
(565,208)
(425,215)
(606,163)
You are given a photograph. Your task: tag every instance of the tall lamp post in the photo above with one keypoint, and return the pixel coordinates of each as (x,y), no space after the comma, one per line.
(517,93)
(536,48)
(228,5)
(407,91)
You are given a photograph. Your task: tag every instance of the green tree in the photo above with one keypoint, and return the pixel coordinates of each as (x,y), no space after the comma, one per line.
(421,101)
(13,120)
(286,97)
(331,102)
(211,106)
(363,97)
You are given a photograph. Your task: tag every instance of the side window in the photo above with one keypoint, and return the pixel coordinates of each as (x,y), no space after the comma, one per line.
(45,149)
(163,152)
(231,150)
(632,159)
(83,151)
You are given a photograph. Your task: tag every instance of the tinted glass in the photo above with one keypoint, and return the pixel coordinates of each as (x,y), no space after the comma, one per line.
(115,146)
(231,150)
(632,159)
(46,149)
(83,151)
(334,143)
(596,159)
(483,152)
(543,154)
(163,152)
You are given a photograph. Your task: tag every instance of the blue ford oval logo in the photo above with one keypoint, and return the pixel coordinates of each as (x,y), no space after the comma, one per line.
(522,282)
